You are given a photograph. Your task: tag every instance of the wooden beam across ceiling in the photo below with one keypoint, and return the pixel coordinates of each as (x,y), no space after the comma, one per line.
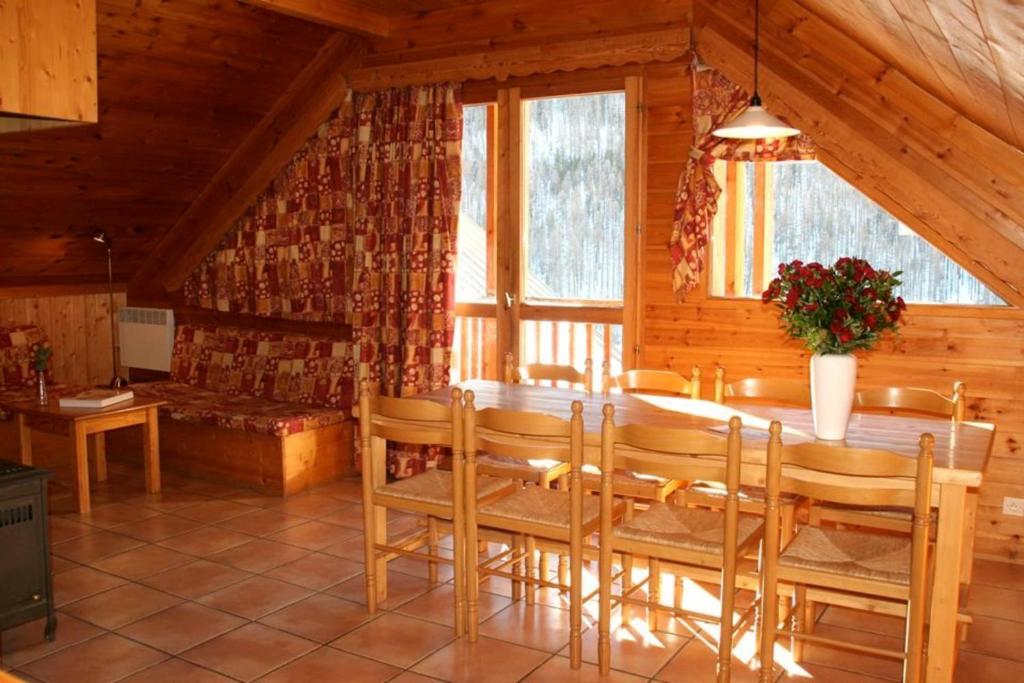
(945,177)
(343,15)
(309,100)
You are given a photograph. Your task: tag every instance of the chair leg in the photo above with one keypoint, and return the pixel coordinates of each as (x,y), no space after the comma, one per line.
(653,590)
(531,589)
(563,570)
(472,564)
(517,568)
(576,610)
(801,623)
(627,583)
(432,548)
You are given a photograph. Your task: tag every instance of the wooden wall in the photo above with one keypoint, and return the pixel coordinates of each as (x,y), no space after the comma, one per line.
(939,344)
(78,326)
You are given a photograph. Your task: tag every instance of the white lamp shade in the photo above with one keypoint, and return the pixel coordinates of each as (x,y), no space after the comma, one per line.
(754,124)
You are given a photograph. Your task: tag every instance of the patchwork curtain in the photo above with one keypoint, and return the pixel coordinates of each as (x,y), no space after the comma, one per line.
(716,100)
(359,228)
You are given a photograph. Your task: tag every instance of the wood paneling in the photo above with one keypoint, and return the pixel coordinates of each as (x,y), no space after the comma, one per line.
(339,14)
(939,344)
(78,326)
(181,84)
(47,64)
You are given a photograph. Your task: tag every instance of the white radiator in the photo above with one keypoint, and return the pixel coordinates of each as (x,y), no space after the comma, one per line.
(147,337)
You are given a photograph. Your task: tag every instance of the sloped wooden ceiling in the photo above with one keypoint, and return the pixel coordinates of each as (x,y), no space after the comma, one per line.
(181,83)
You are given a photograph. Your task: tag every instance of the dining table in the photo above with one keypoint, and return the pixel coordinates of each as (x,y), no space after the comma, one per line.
(961,454)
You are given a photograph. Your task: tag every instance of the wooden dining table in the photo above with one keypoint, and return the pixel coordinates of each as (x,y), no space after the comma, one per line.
(962,453)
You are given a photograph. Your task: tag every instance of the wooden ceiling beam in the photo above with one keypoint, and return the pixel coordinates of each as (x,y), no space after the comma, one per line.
(343,15)
(911,184)
(306,103)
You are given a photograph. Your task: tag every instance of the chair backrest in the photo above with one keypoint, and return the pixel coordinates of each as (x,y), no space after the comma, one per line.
(762,389)
(652,382)
(671,453)
(535,373)
(904,399)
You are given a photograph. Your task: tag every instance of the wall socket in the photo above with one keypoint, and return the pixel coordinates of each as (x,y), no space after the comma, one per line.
(1014,507)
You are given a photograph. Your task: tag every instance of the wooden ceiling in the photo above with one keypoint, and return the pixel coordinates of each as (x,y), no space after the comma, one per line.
(180,84)
(186,85)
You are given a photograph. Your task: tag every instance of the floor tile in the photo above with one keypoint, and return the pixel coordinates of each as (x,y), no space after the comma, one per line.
(349,489)
(313,535)
(59,564)
(181,627)
(157,527)
(99,660)
(634,649)
(86,549)
(197,579)
(255,597)
(350,549)
(557,670)
(485,660)
(974,668)
(81,582)
(259,555)
(349,515)
(262,522)
(25,643)
(64,529)
(168,500)
(319,617)
(699,662)
(438,605)
(122,605)
(176,671)
(316,571)
(848,660)
(114,514)
(249,652)
(537,626)
(410,677)
(997,637)
(326,664)
(214,511)
(861,620)
(205,541)
(395,639)
(142,562)
(310,505)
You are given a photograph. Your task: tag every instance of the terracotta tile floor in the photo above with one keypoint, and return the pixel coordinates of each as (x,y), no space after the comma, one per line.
(205,582)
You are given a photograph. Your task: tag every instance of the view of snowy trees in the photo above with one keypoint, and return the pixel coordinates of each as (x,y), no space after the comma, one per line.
(575,196)
(820,217)
(471,273)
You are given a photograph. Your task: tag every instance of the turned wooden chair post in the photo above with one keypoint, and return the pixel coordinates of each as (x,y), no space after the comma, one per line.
(472,541)
(770,556)
(959,401)
(459,510)
(917,611)
(719,384)
(695,383)
(588,375)
(576,536)
(509,373)
(605,550)
(730,551)
(376,571)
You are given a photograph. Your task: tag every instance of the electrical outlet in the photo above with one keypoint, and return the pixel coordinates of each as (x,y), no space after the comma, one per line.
(1014,507)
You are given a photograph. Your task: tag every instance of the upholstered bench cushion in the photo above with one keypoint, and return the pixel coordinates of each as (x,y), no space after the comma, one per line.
(687,528)
(244,413)
(847,552)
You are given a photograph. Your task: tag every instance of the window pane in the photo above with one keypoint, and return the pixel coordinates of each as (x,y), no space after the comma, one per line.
(575,196)
(471,280)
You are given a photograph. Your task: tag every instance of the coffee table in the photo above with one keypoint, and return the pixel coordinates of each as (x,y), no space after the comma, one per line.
(82,423)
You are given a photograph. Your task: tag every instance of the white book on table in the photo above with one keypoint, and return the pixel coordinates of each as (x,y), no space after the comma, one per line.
(96,398)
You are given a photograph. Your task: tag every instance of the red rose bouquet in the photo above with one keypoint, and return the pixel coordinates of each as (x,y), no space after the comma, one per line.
(836,310)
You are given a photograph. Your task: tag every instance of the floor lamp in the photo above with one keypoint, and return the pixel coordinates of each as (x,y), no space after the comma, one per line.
(103,238)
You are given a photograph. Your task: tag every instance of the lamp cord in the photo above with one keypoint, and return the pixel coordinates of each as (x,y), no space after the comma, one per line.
(757,46)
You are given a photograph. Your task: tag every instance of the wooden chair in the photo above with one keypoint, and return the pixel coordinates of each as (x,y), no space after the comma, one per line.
(901,400)
(536,373)
(532,513)
(849,567)
(751,497)
(686,537)
(434,493)
(762,389)
(633,485)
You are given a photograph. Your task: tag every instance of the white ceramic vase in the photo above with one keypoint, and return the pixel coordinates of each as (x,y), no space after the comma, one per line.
(833,379)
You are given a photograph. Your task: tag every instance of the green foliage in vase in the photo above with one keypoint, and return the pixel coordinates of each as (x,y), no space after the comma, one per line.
(42,357)
(847,307)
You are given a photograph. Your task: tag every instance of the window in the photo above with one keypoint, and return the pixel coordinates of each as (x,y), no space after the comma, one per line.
(771,213)
(575,197)
(567,233)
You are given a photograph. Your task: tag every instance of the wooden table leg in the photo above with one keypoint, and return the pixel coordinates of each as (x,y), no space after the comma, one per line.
(99,451)
(80,468)
(24,440)
(151,450)
(942,640)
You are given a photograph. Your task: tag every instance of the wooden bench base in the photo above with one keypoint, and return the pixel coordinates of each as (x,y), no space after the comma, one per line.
(275,465)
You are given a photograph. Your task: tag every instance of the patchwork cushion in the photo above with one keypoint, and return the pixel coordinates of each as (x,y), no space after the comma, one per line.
(687,528)
(18,346)
(218,409)
(847,552)
(316,371)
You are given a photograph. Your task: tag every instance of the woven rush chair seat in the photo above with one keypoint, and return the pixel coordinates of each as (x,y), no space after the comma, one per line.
(748,494)
(504,466)
(850,553)
(904,514)
(686,528)
(435,487)
(540,506)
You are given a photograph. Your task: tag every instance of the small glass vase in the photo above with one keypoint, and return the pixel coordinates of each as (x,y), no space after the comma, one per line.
(42,395)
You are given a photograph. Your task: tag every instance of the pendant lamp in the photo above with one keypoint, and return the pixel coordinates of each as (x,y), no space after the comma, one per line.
(755,122)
